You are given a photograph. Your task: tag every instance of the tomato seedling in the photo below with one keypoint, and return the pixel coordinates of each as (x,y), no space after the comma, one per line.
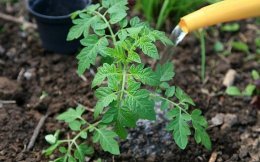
(122,100)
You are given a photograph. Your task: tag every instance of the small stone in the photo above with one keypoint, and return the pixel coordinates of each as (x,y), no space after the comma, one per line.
(229,121)
(2,50)
(218,119)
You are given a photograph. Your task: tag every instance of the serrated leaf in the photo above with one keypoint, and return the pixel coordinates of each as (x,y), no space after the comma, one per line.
(88,55)
(93,7)
(133,56)
(165,105)
(82,26)
(105,96)
(158,35)
(123,23)
(233,91)
(145,75)
(120,131)
(51,139)
(50,149)
(183,97)
(148,48)
(103,72)
(140,104)
(134,21)
(165,71)
(170,91)
(106,139)
(180,128)
(82,150)
(199,123)
(71,114)
(75,125)
(117,16)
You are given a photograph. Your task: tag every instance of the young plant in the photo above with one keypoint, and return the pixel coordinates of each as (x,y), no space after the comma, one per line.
(250,90)
(122,98)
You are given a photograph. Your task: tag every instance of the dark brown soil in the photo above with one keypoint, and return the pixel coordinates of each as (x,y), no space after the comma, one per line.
(26,70)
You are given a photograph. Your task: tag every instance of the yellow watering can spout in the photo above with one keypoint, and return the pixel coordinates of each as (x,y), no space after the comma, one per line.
(224,11)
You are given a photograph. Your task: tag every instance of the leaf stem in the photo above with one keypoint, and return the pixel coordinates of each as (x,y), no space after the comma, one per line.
(173,103)
(108,25)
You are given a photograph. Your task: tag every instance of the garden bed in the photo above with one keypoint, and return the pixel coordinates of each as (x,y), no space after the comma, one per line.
(26,71)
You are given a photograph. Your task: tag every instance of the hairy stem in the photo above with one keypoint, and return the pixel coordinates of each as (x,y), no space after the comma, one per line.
(173,103)
(108,25)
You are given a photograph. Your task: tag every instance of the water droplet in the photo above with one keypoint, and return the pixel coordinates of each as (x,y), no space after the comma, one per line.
(177,35)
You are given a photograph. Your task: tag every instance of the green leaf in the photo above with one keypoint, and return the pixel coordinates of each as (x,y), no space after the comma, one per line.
(140,104)
(105,3)
(120,131)
(83,135)
(88,55)
(117,16)
(257,42)
(93,7)
(148,48)
(200,124)
(170,91)
(103,72)
(105,96)
(164,85)
(231,27)
(72,159)
(145,75)
(183,97)
(117,11)
(71,114)
(218,46)
(162,37)
(249,91)
(240,46)
(75,125)
(134,21)
(62,150)
(82,26)
(180,128)
(233,91)
(255,75)
(82,150)
(51,139)
(133,56)
(106,139)
(165,105)
(50,149)
(165,71)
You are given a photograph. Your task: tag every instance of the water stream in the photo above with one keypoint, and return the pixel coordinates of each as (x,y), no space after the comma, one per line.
(177,35)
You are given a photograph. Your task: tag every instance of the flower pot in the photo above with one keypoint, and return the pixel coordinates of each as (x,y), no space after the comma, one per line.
(53,21)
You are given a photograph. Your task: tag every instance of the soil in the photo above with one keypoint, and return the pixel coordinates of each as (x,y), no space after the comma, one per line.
(26,71)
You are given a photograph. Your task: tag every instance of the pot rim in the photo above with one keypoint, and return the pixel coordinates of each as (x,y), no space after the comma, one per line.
(48,16)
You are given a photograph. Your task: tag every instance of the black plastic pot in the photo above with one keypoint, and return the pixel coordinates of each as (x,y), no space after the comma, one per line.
(53,21)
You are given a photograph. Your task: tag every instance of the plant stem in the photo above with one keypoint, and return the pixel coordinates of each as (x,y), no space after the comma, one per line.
(73,141)
(173,103)
(203,54)
(108,25)
(161,15)
(123,82)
